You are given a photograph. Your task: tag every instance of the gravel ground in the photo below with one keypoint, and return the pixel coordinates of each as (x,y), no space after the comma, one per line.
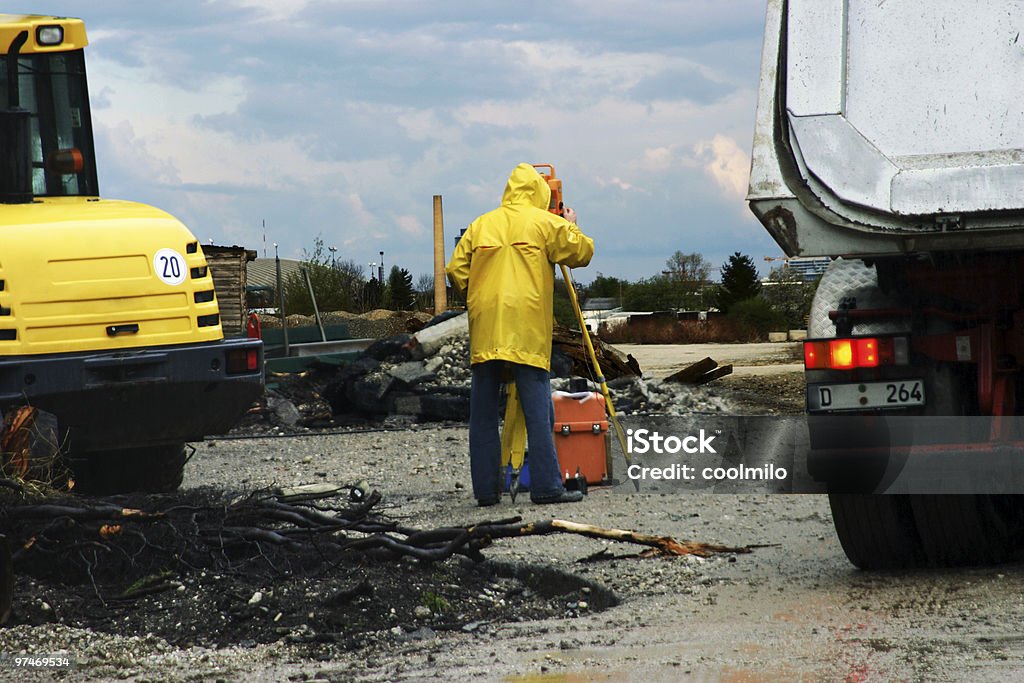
(423,472)
(792,609)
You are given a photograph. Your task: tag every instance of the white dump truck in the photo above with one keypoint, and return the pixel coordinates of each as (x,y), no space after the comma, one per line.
(890,137)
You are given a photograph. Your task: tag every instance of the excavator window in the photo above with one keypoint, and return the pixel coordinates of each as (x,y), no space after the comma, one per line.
(52,87)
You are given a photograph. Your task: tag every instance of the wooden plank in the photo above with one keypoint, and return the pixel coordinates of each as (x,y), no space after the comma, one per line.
(693,372)
(715,374)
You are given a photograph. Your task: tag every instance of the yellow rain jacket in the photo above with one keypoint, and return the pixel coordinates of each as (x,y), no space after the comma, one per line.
(506,261)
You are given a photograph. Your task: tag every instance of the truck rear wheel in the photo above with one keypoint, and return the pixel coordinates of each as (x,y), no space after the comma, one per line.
(149,469)
(877,531)
(960,530)
(892,531)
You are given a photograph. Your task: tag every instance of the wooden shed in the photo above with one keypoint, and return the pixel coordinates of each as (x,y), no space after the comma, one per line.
(228,268)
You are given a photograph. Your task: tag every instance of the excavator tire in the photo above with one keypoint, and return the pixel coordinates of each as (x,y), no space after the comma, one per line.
(149,469)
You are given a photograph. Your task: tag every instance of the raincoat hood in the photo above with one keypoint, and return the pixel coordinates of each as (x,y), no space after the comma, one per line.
(504,263)
(526,186)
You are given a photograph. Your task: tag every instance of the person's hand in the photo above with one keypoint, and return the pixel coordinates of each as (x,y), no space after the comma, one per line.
(569,215)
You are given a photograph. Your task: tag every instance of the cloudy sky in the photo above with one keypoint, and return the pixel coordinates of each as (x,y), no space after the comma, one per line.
(342,118)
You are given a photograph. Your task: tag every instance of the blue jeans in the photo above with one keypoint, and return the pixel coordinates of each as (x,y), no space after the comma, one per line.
(534,387)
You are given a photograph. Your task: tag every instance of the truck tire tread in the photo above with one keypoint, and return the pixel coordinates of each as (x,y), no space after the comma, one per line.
(877,531)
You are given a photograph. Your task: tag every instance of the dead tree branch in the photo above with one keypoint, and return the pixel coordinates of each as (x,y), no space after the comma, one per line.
(108,544)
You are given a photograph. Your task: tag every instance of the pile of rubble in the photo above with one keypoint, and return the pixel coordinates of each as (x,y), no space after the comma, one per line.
(640,396)
(372,324)
(426,377)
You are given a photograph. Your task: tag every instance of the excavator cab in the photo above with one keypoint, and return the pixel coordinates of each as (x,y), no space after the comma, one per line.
(45,122)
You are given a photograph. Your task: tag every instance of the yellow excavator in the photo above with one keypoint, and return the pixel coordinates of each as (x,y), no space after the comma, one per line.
(108,315)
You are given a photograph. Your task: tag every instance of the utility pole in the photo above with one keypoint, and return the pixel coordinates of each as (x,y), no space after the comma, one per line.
(280,301)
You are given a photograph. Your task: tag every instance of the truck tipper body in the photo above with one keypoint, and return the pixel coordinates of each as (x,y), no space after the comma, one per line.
(890,137)
(108,315)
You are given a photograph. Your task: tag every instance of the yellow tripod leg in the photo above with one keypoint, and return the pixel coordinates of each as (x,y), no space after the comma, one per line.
(513,437)
(609,406)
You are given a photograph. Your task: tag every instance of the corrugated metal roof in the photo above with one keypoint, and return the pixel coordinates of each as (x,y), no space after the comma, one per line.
(263,271)
(598,303)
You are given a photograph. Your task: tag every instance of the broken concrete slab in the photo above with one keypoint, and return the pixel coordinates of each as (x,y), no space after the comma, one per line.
(411,372)
(368,392)
(433,406)
(430,339)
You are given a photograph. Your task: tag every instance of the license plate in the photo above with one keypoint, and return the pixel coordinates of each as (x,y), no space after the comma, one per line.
(861,395)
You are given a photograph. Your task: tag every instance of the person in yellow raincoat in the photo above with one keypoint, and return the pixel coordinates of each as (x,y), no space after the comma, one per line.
(505,263)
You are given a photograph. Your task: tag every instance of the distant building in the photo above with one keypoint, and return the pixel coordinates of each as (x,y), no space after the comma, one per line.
(261,280)
(598,310)
(810,267)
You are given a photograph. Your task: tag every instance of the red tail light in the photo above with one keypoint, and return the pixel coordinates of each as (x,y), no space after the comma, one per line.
(853,353)
(242,360)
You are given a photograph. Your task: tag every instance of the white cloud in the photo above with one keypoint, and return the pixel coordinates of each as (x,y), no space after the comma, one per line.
(134,153)
(360,214)
(615,182)
(411,225)
(661,159)
(274,10)
(390,107)
(726,163)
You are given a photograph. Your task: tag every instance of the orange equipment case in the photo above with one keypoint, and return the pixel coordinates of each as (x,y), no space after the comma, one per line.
(581,436)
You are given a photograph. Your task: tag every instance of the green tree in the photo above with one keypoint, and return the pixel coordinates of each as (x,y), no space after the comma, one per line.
(372,295)
(400,295)
(662,293)
(337,285)
(604,286)
(789,294)
(425,292)
(688,268)
(739,281)
(756,317)
(562,307)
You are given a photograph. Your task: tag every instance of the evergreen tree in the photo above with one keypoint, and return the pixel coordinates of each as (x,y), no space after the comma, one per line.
(400,293)
(372,295)
(739,281)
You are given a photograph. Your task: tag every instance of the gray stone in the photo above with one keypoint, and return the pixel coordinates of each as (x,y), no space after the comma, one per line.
(411,372)
(285,411)
(473,626)
(407,404)
(423,633)
(432,338)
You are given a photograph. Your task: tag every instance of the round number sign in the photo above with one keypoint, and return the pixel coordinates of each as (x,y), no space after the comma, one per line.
(169,266)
